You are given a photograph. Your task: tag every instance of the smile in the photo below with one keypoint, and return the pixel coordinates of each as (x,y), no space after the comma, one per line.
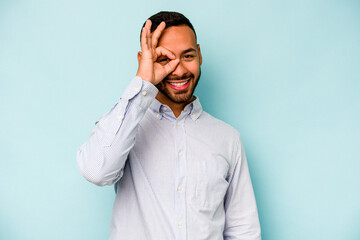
(179,85)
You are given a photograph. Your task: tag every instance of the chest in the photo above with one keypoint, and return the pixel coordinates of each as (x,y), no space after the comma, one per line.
(173,158)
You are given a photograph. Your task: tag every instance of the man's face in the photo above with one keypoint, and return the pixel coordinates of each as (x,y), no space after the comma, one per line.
(179,86)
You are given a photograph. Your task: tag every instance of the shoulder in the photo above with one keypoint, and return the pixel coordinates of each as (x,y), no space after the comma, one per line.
(218,125)
(218,131)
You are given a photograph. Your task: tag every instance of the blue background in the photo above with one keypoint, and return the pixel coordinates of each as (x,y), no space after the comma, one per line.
(286,74)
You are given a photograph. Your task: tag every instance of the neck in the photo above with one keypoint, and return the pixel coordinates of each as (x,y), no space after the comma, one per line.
(175,107)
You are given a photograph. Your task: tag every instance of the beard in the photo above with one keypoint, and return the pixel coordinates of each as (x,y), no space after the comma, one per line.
(184,96)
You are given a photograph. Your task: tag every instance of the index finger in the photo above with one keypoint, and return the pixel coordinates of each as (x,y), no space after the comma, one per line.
(163,52)
(157,33)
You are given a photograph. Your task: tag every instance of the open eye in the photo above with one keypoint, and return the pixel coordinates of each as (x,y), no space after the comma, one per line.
(189,56)
(163,60)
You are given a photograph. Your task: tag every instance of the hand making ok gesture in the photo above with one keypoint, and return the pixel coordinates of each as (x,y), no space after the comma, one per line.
(149,69)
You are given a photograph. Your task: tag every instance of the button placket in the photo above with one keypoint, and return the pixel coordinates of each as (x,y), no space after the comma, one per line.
(180,182)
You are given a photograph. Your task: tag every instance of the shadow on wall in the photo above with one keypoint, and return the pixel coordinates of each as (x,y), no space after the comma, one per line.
(6,229)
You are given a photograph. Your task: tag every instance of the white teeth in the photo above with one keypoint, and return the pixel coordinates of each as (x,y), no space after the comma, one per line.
(179,84)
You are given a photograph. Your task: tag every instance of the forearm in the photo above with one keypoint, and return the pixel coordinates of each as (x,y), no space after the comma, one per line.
(102,158)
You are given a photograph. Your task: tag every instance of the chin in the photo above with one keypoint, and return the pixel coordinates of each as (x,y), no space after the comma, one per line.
(182,99)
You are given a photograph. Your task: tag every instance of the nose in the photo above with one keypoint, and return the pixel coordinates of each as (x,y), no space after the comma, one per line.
(180,70)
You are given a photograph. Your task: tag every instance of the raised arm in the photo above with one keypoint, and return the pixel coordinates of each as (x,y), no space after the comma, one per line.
(102,158)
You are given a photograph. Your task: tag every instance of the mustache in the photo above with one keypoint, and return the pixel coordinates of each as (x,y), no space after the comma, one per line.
(184,76)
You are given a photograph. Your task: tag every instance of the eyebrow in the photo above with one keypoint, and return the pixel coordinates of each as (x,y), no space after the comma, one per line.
(189,50)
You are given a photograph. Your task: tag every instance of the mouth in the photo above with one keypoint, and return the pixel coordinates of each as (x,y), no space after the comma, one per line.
(179,85)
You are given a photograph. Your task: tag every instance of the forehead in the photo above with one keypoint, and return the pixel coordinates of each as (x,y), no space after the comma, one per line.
(178,38)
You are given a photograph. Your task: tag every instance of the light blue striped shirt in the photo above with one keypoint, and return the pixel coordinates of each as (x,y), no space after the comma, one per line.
(175,178)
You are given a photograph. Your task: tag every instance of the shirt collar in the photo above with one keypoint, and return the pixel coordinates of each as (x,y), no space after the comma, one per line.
(194,108)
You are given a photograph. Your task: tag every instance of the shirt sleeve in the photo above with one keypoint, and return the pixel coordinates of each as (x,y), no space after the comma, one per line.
(102,158)
(241,220)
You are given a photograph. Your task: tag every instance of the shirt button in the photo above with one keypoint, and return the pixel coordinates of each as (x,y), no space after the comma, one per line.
(180,224)
(193,116)
(120,117)
(144,93)
(136,89)
(179,188)
(177,124)
(158,115)
(180,154)
(164,108)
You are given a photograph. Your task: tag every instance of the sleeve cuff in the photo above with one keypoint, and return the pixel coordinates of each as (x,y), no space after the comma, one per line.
(138,86)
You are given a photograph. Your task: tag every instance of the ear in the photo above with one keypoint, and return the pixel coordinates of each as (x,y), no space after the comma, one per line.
(199,52)
(139,56)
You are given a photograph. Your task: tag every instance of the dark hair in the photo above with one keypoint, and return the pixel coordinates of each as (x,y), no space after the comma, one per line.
(171,19)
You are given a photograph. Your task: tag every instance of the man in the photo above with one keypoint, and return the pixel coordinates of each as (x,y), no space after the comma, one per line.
(179,173)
